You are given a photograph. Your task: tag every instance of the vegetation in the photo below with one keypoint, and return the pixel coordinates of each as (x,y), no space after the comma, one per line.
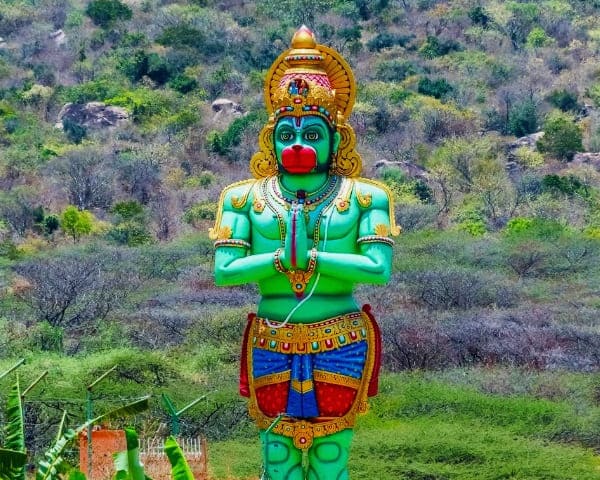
(490,321)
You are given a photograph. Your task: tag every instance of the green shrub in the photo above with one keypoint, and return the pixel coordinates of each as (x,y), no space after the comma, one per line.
(540,228)
(142,64)
(73,131)
(538,38)
(523,118)
(394,70)
(562,137)
(183,83)
(182,35)
(202,211)
(438,88)
(387,40)
(564,100)
(568,185)
(106,12)
(479,16)
(435,47)
(94,90)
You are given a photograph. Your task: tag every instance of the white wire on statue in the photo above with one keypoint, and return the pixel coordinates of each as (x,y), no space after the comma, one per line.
(312,290)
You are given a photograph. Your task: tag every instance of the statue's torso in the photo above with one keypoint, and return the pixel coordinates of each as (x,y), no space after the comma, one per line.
(330,228)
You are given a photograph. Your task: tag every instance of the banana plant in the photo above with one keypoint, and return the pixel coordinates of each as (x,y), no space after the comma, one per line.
(13,455)
(52,464)
(127,463)
(180,470)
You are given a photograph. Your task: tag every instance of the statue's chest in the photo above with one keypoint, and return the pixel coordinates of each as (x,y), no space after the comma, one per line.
(327,221)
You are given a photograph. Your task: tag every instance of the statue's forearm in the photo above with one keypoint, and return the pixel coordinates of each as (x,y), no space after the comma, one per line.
(356,268)
(231,269)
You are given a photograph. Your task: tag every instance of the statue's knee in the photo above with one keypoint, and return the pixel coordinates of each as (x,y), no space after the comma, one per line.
(278,452)
(328,452)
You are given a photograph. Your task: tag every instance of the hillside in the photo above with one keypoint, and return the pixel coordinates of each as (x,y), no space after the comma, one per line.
(122,120)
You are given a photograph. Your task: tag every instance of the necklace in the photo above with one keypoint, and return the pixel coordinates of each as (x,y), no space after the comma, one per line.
(311,200)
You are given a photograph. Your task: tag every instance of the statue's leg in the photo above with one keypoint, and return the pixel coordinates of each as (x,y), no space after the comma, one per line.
(282,460)
(328,456)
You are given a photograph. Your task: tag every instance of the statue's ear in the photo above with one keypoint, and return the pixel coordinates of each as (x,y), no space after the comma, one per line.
(336,141)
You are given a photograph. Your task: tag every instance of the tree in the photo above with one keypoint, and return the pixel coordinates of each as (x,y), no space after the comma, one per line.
(75,222)
(106,12)
(88,182)
(71,289)
(562,137)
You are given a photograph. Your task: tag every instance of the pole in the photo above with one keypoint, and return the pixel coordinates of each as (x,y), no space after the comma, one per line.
(89,412)
(14,367)
(35,382)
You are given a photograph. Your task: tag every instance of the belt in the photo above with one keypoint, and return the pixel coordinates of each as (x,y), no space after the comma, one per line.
(306,338)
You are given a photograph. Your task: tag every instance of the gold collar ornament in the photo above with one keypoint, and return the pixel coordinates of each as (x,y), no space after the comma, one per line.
(309,79)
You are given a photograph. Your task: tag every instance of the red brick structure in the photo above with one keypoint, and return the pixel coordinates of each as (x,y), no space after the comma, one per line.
(156,464)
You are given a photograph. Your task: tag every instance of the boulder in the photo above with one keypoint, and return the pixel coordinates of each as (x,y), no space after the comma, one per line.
(227,106)
(93,115)
(58,36)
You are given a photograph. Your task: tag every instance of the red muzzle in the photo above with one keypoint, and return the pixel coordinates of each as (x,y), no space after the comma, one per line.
(298,159)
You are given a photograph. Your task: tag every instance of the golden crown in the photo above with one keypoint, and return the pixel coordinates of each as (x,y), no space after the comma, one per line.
(309,79)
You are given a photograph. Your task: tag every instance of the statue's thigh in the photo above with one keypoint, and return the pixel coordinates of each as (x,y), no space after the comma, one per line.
(328,456)
(282,460)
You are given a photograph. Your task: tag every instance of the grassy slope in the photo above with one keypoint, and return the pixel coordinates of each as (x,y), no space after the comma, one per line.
(428,429)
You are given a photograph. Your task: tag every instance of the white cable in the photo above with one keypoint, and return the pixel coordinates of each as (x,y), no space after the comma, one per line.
(312,290)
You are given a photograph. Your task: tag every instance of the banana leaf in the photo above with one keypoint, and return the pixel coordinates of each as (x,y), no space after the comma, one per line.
(9,459)
(180,470)
(15,436)
(127,463)
(49,468)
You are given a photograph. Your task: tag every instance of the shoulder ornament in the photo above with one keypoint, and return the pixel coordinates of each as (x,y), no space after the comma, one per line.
(237,202)
(394,229)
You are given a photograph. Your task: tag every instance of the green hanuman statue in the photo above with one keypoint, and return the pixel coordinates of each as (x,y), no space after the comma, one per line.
(307,228)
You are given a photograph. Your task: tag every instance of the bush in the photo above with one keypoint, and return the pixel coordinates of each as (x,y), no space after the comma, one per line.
(182,35)
(538,38)
(434,47)
(564,100)
(394,70)
(523,118)
(183,84)
(562,137)
(479,16)
(106,12)
(568,185)
(449,288)
(438,88)
(387,40)
(201,211)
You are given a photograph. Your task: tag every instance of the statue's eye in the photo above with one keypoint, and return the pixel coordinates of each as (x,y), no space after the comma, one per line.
(285,136)
(312,136)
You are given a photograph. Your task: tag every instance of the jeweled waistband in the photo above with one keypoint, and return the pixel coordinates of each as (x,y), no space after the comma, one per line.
(316,337)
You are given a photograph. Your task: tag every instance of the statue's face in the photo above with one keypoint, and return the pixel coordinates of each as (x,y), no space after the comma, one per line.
(304,145)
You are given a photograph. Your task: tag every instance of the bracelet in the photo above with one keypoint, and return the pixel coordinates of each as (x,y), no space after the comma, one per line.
(298,278)
(374,239)
(232,242)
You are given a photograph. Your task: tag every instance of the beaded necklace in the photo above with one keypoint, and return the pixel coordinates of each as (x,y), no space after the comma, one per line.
(324,202)
(311,200)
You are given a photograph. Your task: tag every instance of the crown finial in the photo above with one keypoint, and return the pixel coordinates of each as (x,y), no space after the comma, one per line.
(304,38)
